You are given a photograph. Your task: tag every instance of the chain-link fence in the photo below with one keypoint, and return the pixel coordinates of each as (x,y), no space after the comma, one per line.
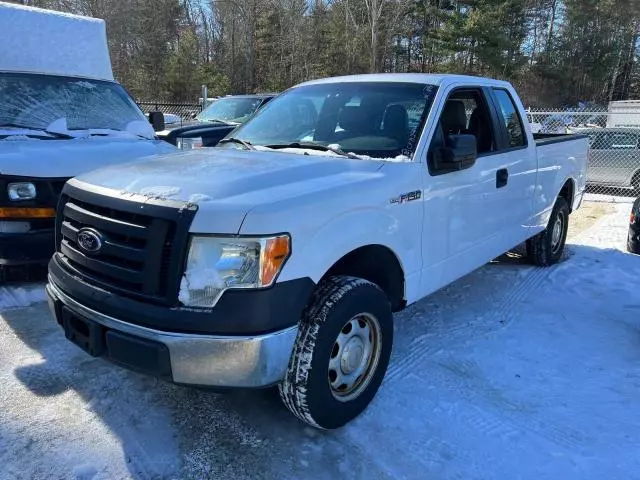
(614,138)
(173,112)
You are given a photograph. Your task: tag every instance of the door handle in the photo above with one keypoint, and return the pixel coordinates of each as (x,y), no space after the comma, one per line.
(502,177)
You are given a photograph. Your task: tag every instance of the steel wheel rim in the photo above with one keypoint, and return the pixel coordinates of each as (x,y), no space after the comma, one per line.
(354,357)
(557,233)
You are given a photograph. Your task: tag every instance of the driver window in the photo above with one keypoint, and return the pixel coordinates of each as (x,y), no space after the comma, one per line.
(466,112)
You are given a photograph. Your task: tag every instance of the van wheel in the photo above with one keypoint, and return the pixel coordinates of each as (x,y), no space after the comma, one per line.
(547,247)
(341,353)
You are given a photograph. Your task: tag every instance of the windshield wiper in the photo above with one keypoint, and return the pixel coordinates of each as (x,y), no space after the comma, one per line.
(34,132)
(239,141)
(216,120)
(314,146)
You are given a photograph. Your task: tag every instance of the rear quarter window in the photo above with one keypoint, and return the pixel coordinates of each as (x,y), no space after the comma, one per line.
(511,118)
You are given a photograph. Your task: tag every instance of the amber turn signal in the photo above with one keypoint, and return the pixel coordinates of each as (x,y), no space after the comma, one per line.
(276,252)
(22,213)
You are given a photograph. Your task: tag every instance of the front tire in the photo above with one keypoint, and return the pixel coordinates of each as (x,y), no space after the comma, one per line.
(547,247)
(341,353)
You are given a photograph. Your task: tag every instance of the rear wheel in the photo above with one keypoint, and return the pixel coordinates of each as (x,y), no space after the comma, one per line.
(547,247)
(341,353)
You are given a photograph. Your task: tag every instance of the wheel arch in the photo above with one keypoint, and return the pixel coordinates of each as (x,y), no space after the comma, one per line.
(377,264)
(568,191)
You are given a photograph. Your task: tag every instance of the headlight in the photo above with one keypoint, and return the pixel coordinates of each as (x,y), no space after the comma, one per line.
(185,143)
(21,191)
(217,264)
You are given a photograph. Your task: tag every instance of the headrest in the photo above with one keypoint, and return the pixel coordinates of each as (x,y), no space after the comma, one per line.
(353,118)
(454,117)
(396,117)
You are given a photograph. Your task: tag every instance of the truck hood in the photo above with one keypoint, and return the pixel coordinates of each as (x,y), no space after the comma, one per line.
(68,158)
(226,184)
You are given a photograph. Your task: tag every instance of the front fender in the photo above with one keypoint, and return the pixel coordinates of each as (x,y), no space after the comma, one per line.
(314,255)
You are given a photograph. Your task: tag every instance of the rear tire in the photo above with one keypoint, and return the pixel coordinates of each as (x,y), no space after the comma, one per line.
(547,247)
(341,353)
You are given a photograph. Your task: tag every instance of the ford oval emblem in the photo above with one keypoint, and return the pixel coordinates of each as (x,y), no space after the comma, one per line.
(89,240)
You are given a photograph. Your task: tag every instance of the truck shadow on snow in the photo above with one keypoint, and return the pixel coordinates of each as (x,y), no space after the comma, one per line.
(168,431)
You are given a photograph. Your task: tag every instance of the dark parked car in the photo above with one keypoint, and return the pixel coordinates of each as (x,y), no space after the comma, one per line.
(633,241)
(215,121)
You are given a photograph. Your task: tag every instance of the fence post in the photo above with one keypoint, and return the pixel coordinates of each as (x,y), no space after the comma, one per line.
(205,95)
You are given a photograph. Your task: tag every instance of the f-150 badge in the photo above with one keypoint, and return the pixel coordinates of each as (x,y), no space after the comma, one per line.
(407,197)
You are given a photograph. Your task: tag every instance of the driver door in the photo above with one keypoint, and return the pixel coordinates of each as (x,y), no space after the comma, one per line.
(462,212)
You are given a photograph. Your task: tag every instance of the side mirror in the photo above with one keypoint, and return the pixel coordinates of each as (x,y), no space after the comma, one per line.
(156,119)
(459,152)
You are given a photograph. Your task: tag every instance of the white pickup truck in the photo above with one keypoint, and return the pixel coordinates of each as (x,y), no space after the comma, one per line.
(278,257)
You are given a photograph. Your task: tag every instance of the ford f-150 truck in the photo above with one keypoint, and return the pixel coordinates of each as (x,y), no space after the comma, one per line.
(279,257)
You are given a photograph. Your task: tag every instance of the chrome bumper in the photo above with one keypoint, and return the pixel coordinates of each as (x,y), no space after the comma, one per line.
(205,360)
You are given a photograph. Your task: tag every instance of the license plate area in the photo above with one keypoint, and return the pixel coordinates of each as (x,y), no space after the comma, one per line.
(86,334)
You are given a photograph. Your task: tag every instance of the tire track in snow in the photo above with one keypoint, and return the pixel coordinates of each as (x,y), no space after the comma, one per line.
(416,447)
(492,413)
(421,348)
(488,411)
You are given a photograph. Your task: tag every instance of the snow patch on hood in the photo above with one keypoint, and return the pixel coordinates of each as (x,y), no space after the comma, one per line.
(160,192)
(212,174)
(199,197)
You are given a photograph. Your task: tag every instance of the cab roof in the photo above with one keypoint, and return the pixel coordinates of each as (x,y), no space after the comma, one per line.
(426,78)
(35,40)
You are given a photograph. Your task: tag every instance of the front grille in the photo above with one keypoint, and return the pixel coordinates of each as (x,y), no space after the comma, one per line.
(143,243)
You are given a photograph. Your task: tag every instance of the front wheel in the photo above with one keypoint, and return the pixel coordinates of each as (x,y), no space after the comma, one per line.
(547,247)
(341,353)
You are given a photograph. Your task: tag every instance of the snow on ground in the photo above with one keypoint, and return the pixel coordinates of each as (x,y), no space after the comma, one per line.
(513,372)
(613,197)
(15,297)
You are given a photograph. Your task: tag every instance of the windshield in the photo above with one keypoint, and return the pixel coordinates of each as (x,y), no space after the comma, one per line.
(377,119)
(35,101)
(232,110)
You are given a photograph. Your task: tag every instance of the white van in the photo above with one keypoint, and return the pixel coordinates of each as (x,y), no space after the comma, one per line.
(61,114)
(624,114)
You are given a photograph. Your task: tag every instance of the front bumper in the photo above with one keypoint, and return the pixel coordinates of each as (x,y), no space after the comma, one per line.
(183,358)
(32,248)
